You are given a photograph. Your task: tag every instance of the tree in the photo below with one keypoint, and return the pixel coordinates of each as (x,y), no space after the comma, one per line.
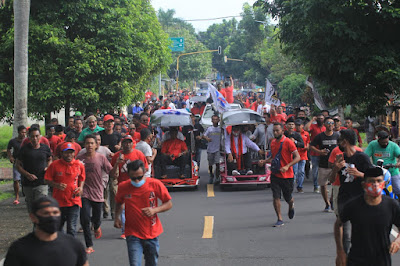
(88,54)
(352,46)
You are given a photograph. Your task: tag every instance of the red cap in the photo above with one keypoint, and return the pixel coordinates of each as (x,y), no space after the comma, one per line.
(108,117)
(127,137)
(67,146)
(283,104)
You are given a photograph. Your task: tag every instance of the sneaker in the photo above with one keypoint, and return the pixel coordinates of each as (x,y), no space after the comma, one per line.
(235,172)
(316,190)
(249,172)
(279,223)
(291,213)
(123,236)
(300,190)
(328,209)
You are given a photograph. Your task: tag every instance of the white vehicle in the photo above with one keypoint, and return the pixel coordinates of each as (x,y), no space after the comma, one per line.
(208,112)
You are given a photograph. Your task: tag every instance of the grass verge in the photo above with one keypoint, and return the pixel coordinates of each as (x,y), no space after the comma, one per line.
(5,163)
(5,195)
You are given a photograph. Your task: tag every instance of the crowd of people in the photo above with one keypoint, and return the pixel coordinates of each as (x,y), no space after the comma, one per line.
(99,166)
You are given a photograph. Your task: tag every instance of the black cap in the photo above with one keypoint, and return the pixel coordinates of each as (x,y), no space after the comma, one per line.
(290,120)
(383,135)
(373,172)
(299,122)
(44,202)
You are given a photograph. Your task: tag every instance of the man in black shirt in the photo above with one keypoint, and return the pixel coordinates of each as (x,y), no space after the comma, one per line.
(351,166)
(109,137)
(372,216)
(45,246)
(15,145)
(32,162)
(198,131)
(323,144)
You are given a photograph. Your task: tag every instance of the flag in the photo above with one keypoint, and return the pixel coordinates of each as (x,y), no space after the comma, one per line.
(219,101)
(271,95)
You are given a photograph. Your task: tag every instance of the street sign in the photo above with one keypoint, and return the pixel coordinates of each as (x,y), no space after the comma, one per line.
(178,44)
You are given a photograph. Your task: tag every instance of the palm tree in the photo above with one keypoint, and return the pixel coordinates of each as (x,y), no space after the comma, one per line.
(21,30)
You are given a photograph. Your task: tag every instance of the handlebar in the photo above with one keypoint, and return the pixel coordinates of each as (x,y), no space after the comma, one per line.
(387,166)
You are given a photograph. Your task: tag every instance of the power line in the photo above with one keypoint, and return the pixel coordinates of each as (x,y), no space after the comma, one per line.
(204,19)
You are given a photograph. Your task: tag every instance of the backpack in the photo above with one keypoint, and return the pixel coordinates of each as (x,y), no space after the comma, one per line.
(276,162)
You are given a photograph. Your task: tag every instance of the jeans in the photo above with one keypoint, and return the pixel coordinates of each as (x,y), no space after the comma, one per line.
(299,173)
(197,156)
(69,215)
(315,166)
(94,208)
(396,184)
(137,247)
(123,221)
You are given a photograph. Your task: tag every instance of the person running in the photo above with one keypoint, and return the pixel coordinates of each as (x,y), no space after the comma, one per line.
(348,122)
(69,137)
(93,190)
(140,195)
(92,128)
(315,127)
(132,131)
(53,139)
(78,127)
(33,160)
(45,246)
(109,137)
(144,146)
(389,152)
(282,157)
(372,217)
(299,168)
(323,144)
(13,148)
(213,136)
(350,166)
(67,176)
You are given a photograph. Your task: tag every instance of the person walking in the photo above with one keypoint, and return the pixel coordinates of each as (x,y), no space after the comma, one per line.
(283,156)
(144,146)
(213,136)
(93,190)
(33,160)
(372,217)
(13,148)
(45,246)
(67,176)
(299,170)
(140,195)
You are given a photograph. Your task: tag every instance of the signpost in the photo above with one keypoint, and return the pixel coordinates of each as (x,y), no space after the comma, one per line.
(178,44)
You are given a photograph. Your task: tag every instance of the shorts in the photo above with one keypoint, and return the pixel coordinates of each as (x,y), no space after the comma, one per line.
(282,186)
(16,174)
(213,158)
(323,176)
(335,193)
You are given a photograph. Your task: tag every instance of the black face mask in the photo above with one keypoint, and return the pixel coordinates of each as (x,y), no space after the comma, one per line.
(49,224)
(341,148)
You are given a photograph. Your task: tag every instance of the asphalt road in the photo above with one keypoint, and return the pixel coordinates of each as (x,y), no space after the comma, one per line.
(242,232)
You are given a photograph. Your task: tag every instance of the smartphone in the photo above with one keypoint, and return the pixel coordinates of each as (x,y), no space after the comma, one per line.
(339,156)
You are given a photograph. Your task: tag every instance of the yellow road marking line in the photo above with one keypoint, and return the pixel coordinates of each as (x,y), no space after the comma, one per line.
(208,226)
(210,190)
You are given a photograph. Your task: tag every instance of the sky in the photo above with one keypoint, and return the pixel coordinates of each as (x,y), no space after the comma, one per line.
(202,9)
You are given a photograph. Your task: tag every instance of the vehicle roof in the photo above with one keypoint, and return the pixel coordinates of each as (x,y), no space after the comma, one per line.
(171,118)
(198,99)
(241,117)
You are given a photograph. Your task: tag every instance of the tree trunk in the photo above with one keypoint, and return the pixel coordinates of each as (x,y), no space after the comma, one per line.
(21,31)
(67,110)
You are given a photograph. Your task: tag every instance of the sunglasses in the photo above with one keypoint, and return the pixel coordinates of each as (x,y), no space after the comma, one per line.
(137,178)
(133,128)
(330,123)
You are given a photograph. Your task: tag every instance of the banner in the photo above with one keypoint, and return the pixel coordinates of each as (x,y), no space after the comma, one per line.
(219,101)
(271,95)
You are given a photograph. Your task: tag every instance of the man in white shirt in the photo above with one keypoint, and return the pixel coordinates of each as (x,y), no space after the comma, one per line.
(146,137)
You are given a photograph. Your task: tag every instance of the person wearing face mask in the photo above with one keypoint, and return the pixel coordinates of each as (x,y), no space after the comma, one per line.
(140,195)
(389,152)
(67,177)
(46,246)
(373,216)
(350,166)
(237,147)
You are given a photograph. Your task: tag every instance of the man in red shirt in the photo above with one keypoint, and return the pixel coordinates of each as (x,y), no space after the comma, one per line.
(221,90)
(132,131)
(229,91)
(140,196)
(174,151)
(275,117)
(282,180)
(67,177)
(53,139)
(348,122)
(279,110)
(69,137)
(315,127)
(299,168)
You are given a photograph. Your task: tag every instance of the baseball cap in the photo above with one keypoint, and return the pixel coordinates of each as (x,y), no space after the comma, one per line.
(43,202)
(299,122)
(108,117)
(373,172)
(77,113)
(67,146)
(383,135)
(127,137)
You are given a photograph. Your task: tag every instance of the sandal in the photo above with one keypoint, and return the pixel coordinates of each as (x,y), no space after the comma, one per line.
(16,202)
(98,233)
(89,250)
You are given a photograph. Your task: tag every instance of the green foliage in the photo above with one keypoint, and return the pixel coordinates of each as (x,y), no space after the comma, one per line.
(90,54)
(291,89)
(352,46)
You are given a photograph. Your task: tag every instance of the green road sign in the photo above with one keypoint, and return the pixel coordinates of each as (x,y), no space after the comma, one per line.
(178,44)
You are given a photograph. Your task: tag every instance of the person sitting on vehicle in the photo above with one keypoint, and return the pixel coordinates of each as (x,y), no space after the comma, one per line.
(236,148)
(167,135)
(173,152)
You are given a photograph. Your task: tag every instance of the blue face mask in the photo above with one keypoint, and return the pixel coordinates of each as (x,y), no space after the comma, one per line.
(141,183)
